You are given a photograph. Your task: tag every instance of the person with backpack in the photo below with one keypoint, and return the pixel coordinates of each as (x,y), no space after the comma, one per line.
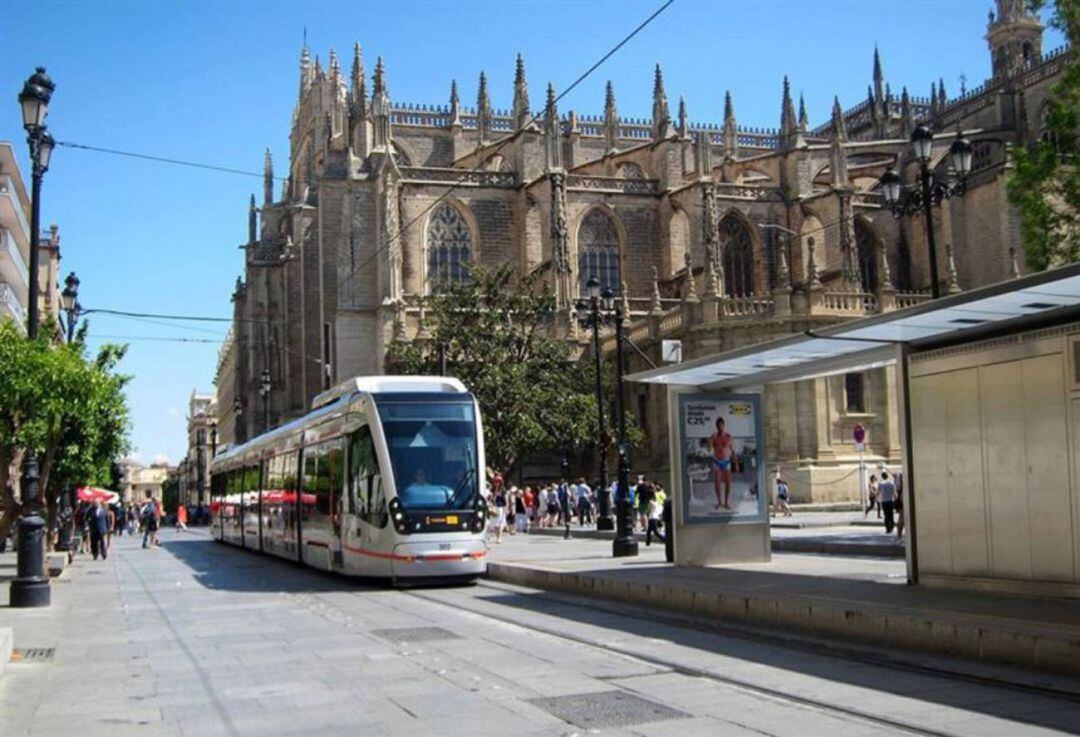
(149,515)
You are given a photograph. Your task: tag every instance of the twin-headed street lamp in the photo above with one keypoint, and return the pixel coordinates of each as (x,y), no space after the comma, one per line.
(69,303)
(30,587)
(264,392)
(908,201)
(624,544)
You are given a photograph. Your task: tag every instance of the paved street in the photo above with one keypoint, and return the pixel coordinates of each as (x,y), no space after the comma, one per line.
(200,639)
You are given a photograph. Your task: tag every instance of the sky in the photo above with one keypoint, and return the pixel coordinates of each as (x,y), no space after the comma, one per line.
(216,82)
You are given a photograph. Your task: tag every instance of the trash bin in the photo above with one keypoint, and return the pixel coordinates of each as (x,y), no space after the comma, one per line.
(669,532)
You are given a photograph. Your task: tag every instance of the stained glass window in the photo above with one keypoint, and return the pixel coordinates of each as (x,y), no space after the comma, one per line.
(738,257)
(598,251)
(449,245)
(866,253)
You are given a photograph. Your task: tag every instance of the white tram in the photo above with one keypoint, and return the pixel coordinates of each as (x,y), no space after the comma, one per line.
(382,478)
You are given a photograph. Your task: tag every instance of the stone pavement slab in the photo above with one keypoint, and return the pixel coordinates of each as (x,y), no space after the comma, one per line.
(856,598)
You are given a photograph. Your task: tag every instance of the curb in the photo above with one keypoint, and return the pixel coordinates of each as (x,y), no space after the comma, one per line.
(7,640)
(979,638)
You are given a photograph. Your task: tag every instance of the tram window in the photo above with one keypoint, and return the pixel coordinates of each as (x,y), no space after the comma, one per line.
(335,466)
(365,485)
(315,498)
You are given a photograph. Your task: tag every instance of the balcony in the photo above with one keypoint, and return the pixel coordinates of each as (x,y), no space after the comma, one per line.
(12,264)
(10,305)
(12,215)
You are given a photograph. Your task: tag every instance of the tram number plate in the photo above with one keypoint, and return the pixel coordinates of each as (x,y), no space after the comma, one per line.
(444,546)
(450,519)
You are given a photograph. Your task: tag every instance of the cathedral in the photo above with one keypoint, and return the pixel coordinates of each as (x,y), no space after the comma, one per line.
(713,233)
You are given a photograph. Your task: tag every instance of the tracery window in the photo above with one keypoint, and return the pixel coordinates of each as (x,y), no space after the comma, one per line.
(630,170)
(866,255)
(449,248)
(738,249)
(598,251)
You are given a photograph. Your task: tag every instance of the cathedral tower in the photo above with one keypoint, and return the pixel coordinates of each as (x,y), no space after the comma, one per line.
(1014,35)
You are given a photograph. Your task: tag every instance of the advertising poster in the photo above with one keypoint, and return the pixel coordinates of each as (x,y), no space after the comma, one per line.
(721,441)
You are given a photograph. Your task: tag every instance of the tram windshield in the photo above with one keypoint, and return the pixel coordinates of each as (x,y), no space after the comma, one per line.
(432,448)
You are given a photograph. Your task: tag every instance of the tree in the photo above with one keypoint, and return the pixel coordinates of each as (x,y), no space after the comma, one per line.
(69,408)
(535,397)
(1045,186)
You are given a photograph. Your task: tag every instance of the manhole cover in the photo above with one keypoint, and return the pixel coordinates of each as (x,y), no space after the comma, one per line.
(607,709)
(32,654)
(415,634)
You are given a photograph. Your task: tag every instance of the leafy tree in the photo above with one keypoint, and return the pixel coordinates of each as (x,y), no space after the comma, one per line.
(535,397)
(1045,185)
(69,408)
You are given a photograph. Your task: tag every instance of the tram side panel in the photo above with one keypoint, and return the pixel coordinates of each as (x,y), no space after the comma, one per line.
(250,511)
(279,502)
(320,497)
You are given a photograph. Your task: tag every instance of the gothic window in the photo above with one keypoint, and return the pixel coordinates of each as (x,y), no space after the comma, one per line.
(598,251)
(449,248)
(738,257)
(630,171)
(866,255)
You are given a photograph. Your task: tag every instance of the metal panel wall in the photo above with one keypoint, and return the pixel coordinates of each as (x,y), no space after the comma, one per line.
(966,496)
(930,439)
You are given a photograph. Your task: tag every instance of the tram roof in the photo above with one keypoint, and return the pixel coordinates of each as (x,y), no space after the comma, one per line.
(857,345)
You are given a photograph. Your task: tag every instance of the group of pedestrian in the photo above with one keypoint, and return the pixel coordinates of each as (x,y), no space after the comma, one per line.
(99,521)
(560,503)
(886,495)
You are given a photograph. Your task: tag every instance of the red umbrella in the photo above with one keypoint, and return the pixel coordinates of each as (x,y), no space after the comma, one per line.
(91,494)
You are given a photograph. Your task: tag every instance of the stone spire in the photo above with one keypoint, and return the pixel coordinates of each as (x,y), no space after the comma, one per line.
(690,286)
(804,119)
(358,85)
(907,120)
(953,281)
(611,119)
(839,126)
(656,307)
(712,285)
(703,154)
(483,111)
(455,105)
(731,132)
(661,118)
(319,74)
(552,132)
(879,79)
(268,178)
(684,123)
(380,107)
(305,70)
(813,278)
(943,99)
(335,66)
(789,123)
(521,95)
(252,234)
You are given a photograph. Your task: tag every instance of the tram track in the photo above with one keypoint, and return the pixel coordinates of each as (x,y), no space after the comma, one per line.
(816,705)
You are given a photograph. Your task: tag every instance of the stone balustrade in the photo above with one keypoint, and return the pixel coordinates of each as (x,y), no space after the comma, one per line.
(464,177)
(612,184)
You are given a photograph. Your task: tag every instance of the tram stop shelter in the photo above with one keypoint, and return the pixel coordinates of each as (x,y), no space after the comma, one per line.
(988,393)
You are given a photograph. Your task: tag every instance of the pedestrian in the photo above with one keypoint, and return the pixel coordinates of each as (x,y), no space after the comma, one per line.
(898,505)
(529,499)
(149,516)
(782,496)
(643,500)
(112,523)
(582,502)
(121,519)
(181,518)
(498,500)
(521,511)
(511,510)
(655,515)
(887,495)
(97,522)
(872,495)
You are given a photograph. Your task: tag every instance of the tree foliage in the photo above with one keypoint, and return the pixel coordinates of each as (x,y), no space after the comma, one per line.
(70,408)
(535,397)
(1045,186)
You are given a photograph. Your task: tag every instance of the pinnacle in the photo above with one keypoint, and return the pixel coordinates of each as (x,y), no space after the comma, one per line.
(729,108)
(658,81)
(519,70)
(877,64)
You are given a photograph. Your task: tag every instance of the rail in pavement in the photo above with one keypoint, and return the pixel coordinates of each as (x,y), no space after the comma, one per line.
(855,599)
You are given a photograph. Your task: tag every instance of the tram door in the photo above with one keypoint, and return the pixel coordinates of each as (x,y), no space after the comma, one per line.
(367,533)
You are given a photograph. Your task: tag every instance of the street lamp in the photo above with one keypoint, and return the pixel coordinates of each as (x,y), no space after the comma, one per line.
(213,439)
(30,587)
(69,303)
(903,201)
(604,520)
(200,464)
(264,392)
(625,544)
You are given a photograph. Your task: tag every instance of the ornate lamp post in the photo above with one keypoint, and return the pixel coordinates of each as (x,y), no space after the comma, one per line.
(30,587)
(604,520)
(69,303)
(213,439)
(908,201)
(264,392)
(200,465)
(625,544)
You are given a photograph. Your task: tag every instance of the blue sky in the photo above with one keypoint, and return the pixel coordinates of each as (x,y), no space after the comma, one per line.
(216,83)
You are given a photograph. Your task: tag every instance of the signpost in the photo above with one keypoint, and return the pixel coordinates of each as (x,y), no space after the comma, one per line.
(859,435)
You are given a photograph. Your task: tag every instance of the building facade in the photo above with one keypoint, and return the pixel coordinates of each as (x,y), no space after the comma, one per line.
(713,233)
(193,470)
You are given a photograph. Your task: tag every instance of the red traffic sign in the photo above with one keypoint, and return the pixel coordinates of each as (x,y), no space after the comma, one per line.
(859,433)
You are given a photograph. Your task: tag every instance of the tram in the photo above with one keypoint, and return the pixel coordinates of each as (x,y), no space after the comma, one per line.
(383,478)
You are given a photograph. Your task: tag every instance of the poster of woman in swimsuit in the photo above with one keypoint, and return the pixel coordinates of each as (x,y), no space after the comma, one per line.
(720,440)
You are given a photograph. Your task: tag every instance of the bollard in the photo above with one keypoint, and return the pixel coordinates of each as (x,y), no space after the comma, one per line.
(669,532)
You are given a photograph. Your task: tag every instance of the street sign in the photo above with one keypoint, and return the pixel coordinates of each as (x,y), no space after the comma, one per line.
(671,351)
(859,434)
